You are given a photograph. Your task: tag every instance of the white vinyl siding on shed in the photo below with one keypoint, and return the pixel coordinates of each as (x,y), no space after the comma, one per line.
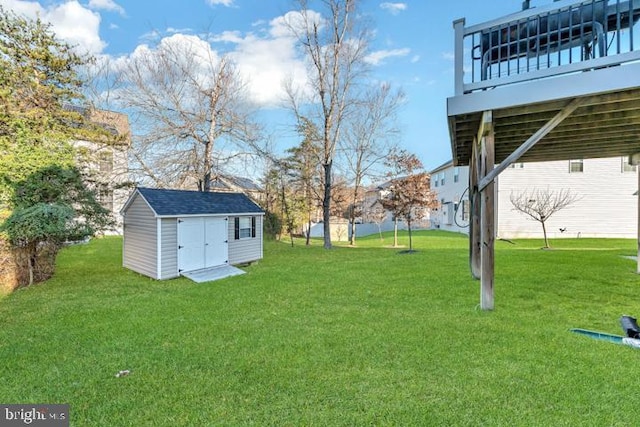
(168,251)
(245,249)
(141,235)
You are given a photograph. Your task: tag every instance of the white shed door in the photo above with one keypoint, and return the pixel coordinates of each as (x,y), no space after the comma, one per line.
(202,243)
(190,244)
(216,247)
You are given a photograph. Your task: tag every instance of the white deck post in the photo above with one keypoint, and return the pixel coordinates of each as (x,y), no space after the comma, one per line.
(458,26)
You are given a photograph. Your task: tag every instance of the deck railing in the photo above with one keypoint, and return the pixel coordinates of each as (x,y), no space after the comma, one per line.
(566,36)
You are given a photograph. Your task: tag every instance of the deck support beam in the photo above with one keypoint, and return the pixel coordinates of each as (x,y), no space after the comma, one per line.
(487,208)
(534,139)
(482,233)
(482,175)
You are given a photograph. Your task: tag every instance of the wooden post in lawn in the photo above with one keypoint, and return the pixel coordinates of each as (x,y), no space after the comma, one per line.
(474,224)
(487,211)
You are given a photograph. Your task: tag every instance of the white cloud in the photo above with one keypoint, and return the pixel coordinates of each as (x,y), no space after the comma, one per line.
(292,22)
(71,22)
(394,8)
(152,35)
(227,3)
(108,5)
(449,56)
(27,8)
(189,49)
(228,37)
(379,56)
(172,30)
(416,58)
(266,63)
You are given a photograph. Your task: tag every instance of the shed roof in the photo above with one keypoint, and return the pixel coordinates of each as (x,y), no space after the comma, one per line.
(182,202)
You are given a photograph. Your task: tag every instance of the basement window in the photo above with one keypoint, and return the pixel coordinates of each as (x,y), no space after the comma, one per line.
(576,166)
(626,166)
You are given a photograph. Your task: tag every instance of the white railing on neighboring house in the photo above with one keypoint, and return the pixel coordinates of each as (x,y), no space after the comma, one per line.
(566,36)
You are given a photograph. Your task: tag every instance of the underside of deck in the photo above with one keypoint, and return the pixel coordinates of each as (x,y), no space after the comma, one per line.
(606,124)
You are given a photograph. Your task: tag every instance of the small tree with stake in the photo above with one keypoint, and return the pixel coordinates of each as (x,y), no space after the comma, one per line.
(409,196)
(541,204)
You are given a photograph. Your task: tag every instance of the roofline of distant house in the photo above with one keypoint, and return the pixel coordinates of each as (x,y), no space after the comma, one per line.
(445,165)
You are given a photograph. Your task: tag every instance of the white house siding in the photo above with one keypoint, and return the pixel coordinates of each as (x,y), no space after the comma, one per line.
(607,206)
(140,241)
(245,250)
(451,193)
(168,248)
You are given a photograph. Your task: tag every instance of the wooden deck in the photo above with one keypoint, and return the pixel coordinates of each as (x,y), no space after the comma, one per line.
(557,82)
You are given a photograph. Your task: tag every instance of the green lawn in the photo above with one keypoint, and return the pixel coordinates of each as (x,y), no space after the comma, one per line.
(352,336)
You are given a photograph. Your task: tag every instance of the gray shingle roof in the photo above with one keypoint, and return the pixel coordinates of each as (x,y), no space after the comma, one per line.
(181,202)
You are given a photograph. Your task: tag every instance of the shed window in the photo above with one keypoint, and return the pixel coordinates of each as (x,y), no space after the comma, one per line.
(245,227)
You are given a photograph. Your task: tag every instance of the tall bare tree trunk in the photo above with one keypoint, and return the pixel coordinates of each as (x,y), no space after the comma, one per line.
(326,205)
(352,213)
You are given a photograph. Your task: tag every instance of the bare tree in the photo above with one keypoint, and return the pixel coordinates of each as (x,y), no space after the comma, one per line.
(541,204)
(335,47)
(369,139)
(190,112)
(410,196)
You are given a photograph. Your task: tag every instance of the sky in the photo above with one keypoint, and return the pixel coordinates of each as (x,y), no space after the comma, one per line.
(412,47)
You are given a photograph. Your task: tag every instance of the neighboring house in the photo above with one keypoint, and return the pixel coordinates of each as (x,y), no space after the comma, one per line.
(237,184)
(170,232)
(450,183)
(376,218)
(105,164)
(607,206)
(372,209)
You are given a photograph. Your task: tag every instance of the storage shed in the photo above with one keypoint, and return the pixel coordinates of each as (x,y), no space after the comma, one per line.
(171,232)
